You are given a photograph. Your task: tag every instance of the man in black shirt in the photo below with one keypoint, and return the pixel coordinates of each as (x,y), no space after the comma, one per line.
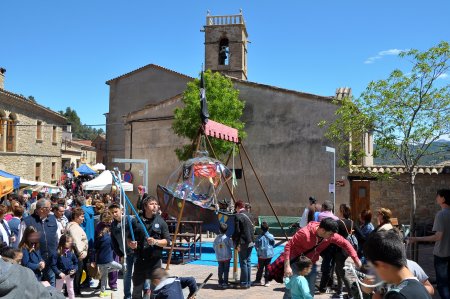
(386,252)
(149,249)
(243,238)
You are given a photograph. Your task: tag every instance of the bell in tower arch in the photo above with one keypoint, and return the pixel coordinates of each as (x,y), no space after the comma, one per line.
(224,51)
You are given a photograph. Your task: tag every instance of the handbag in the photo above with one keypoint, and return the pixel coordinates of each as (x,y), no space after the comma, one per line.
(93,272)
(351,238)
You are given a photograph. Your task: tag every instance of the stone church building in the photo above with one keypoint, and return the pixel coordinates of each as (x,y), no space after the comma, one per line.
(284,141)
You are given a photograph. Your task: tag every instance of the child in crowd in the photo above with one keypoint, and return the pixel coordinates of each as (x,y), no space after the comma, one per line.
(65,265)
(172,287)
(12,255)
(297,284)
(386,251)
(222,248)
(103,252)
(31,254)
(264,248)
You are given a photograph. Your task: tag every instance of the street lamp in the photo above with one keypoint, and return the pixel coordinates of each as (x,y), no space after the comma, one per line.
(332,187)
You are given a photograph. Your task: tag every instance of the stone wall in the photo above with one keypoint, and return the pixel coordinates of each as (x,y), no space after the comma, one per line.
(396,195)
(132,92)
(285,143)
(28,149)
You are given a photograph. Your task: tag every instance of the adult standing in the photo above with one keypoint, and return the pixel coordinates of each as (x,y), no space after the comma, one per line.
(118,244)
(310,241)
(61,220)
(148,248)
(328,253)
(363,231)
(308,213)
(46,225)
(441,251)
(14,224)
(142,195)
(384,220)
(345,228)
(80,242)
(243,238)
(6,235)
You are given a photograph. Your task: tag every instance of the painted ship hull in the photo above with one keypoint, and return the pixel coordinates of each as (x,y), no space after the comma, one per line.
(211,219)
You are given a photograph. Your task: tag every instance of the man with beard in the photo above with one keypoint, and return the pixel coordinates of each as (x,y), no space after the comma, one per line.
(148,249)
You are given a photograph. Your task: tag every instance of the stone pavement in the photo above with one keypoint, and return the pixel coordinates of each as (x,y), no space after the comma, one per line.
(275,290)
(210,290)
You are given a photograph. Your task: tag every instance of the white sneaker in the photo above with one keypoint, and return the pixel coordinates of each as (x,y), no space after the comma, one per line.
(267,284)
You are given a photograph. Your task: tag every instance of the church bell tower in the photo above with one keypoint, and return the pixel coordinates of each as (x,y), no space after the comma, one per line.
(226,45)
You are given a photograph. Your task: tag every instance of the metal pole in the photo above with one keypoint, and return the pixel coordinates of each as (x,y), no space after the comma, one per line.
(333,150)
(334,182)
(139,161)
(174,239)
(223,177)
(243,174)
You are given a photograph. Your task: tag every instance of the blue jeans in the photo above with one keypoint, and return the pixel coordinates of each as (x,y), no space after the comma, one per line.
(311,278)
(224,270)
(128,275)
(442,267)
(246,265)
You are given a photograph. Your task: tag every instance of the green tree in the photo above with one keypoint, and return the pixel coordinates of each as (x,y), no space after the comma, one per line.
(80,130)
(224,107)
(407,113)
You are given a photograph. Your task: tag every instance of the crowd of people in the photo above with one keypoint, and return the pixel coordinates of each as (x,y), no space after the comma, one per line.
(66,242)
(54,242)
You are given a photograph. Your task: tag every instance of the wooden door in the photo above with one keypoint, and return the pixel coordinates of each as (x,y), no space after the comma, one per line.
(359,198)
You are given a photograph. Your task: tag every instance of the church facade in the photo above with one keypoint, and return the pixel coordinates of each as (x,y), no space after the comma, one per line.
(285,143)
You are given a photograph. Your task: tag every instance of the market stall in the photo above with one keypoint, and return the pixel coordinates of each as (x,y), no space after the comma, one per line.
(104,183)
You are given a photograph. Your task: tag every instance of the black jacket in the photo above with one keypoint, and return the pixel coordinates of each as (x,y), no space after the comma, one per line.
(49,238)
(172,288)
(116,235)
(244,230)
(157,229)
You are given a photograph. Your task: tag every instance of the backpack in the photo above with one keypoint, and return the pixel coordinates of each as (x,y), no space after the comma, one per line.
(351,238)
(263,247)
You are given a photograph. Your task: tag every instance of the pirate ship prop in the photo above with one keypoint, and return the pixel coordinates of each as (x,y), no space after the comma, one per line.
(191,192)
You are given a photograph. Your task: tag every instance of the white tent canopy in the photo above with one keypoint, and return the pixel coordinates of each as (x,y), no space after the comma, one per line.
(99,166)
(103,183)
(24,182)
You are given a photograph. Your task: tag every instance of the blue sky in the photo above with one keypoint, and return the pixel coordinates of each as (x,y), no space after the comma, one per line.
(62,52)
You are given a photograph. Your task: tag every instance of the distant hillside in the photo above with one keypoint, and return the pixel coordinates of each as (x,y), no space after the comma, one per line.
(389,159)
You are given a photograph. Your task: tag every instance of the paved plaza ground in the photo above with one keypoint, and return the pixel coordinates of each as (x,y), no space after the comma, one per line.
(275,290)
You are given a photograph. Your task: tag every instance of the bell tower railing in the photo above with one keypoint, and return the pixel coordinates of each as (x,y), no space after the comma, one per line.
(224,20)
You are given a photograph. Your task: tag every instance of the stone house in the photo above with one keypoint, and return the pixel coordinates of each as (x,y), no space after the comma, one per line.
(77,152)
(30,138)
(395,193)
(100,146)
(284,140)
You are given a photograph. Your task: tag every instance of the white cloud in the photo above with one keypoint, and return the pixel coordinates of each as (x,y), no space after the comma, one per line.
(443,76)
(380,55)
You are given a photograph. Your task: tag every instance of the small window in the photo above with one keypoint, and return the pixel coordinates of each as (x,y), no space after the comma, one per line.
(39,130)
(224,52)
(362,192)
(38,172)
(10,136)
(53,170)
(54,134)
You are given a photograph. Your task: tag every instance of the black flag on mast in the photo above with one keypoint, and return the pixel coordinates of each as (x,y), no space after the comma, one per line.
(204,114)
